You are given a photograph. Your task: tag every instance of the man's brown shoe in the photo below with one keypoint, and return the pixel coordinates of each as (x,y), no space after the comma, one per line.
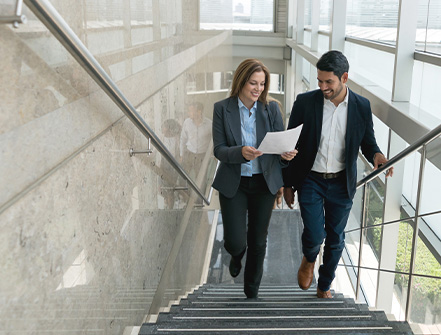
(324,294)
(305,274)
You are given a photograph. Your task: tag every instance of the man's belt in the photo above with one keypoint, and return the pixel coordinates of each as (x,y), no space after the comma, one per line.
(331,175)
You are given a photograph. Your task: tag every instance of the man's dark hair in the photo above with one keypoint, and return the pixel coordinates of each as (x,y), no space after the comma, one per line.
(333,61)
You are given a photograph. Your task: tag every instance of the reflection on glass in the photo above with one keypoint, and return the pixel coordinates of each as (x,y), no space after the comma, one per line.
(188,261)
(307,39)
(426,301)
(171,131)
(307,73)
(79,273)
(404,252)
(430,200)
(381,64)
(429,26)
(368,282)
(325,14)
(424,93)
(400,297)
(374,215)
(373,20)
(194,139)
(308,9)
(209,82)
(237,15)
(323,44)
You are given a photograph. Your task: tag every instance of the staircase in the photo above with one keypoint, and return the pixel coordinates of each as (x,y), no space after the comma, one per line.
(223,309)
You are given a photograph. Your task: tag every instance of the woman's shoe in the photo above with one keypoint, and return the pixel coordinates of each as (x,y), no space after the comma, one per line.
(250,292)
(235,267)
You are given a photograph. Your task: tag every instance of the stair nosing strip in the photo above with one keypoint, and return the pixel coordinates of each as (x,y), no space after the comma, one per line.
(271,329)
(266,309)
(271,317)
(270,302)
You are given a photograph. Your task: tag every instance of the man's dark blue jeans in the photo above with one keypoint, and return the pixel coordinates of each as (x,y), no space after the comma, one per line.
(325,206)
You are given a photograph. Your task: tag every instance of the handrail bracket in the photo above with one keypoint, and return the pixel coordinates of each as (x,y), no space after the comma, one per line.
(149,150)
(17,18)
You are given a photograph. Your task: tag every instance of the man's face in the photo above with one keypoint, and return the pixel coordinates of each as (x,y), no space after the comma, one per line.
(332,86)
(192,112)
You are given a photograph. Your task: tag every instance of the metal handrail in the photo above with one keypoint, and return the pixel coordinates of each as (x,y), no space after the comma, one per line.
(430,136)
(49,16)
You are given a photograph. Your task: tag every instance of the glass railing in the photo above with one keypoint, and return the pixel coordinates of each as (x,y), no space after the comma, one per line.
(87,229)
(393,247)
(49,16)
(187,264)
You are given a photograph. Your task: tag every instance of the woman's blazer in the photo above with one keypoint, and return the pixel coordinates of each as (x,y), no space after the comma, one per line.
(227,142)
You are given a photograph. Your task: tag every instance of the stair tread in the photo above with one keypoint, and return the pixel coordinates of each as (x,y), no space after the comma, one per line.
(223,309)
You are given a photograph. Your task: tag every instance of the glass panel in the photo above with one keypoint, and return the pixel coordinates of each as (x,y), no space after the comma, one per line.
(308,9)
(429,26)
(306,72)
(373,20)
(276,83)
(369,279)
(352,238)
(381,134)
(381,64)
(411,169)
(428,258)
(325,14)
(352,243)
(237,15)
(307,39)
(374,215)
(404,247)
(7,8)
(425,90)
(430,200)
(186,261)
(426,303)
(323,44)
(401,284)
(93,228)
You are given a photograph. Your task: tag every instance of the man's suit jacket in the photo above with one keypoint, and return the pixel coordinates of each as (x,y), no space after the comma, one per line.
(227,142)
(308,110)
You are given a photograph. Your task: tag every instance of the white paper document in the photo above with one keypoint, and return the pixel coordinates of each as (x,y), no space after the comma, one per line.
(280,142)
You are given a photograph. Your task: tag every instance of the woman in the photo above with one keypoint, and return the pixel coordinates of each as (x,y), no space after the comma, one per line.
(247,180)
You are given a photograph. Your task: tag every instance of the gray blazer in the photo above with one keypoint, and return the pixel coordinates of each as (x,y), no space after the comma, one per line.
(227,142)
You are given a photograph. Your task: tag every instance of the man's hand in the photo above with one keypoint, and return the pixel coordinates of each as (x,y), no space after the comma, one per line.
(278,200)
(379,160)
(288,194)
(250,153)
(289,155)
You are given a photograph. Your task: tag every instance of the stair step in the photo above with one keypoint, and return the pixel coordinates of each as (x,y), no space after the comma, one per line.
(223,309)
(307,329)
(284,316)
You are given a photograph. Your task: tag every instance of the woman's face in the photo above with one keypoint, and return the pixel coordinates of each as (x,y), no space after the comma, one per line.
(252,89)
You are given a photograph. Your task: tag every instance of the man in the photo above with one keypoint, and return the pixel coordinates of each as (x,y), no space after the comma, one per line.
(336,124)
(195,138)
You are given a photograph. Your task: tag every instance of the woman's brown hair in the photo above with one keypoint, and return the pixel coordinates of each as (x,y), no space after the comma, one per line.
(243,73)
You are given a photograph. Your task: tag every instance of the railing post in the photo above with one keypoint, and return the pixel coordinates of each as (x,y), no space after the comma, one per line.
(415,233)
(362,233)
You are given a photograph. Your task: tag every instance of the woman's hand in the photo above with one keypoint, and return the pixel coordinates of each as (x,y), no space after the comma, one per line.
(289,155)
(250,153)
